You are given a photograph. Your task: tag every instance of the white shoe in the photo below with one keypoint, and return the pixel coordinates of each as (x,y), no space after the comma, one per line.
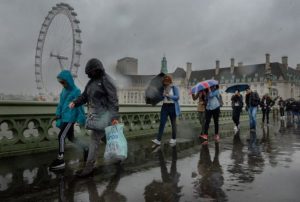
(235,129)
(172,141)
(155,141)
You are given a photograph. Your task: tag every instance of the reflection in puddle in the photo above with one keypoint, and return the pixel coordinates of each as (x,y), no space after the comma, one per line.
(30,175)
(209,183)
(240,165)
(5,181)
(166,189)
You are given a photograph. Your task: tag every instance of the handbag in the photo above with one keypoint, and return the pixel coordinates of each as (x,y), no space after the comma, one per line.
(97,121)
(116,144)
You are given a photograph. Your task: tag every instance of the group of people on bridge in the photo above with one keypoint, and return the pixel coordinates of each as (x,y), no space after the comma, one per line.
(100,95)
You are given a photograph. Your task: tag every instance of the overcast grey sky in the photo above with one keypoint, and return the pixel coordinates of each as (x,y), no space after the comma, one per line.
(198,31)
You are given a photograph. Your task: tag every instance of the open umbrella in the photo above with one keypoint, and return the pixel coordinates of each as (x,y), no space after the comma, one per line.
(203,85)
(154,91)
(240,87)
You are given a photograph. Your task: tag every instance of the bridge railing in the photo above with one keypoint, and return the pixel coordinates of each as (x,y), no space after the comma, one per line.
(27,127)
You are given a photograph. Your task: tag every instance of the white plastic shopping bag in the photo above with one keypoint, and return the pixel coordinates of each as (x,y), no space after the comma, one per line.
(116,144)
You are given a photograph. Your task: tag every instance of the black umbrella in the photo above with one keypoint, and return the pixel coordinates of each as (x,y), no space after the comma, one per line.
(240,87)
(154,91)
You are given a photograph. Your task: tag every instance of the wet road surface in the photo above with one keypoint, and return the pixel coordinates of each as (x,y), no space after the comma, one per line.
(257,166)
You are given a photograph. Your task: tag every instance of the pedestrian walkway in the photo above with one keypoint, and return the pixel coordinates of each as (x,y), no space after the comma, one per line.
(239,168)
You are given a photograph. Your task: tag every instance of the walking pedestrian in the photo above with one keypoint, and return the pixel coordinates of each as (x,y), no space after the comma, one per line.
(66,118)
(170,108)
(252,102)
(266,104)
(212,110)
(201,96)
(237,106)
(101,96)
(281,104)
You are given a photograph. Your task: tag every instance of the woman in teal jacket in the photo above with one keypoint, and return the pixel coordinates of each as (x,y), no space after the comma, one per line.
(66,117)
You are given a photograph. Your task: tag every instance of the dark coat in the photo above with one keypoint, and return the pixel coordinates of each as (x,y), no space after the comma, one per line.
(281,103)
(100,94)
(237,101)
(252,99)
(266,103)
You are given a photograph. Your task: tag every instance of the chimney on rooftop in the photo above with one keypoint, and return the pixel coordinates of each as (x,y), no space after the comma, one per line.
(217,67)
(188,72)
(267,65)
(231,65)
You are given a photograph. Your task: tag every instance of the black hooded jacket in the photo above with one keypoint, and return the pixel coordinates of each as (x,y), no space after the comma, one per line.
(100,93)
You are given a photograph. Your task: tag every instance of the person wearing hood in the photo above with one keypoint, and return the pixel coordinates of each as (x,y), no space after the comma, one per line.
(66,117)
(100,95)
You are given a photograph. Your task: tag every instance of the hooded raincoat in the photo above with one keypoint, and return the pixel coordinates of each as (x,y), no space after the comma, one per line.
(68,94)
(100,92)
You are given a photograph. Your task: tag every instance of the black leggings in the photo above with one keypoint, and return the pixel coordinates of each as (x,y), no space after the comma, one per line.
(236,113)
(67,130)
(281,111)
(266,113)
(215,114)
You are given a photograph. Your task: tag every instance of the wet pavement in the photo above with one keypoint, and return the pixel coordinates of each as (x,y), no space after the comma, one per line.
(257,166)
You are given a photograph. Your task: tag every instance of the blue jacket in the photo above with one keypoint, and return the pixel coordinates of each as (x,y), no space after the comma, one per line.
(175,98)
(213,100)
(68,94)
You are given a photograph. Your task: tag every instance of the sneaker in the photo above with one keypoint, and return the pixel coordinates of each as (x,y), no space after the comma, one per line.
(155,141)
(204,137)
(172,141)
(57,164)
(217,138)
(235,129)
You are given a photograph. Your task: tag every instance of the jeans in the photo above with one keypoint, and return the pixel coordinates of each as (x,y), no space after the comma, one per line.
(167,110)
(252,117)
(215,114)
(236,112)
(201,117)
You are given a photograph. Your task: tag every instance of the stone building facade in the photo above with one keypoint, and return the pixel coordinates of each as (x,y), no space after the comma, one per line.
(275,78)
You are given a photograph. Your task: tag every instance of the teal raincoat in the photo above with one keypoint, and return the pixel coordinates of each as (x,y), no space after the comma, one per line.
(68,94)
